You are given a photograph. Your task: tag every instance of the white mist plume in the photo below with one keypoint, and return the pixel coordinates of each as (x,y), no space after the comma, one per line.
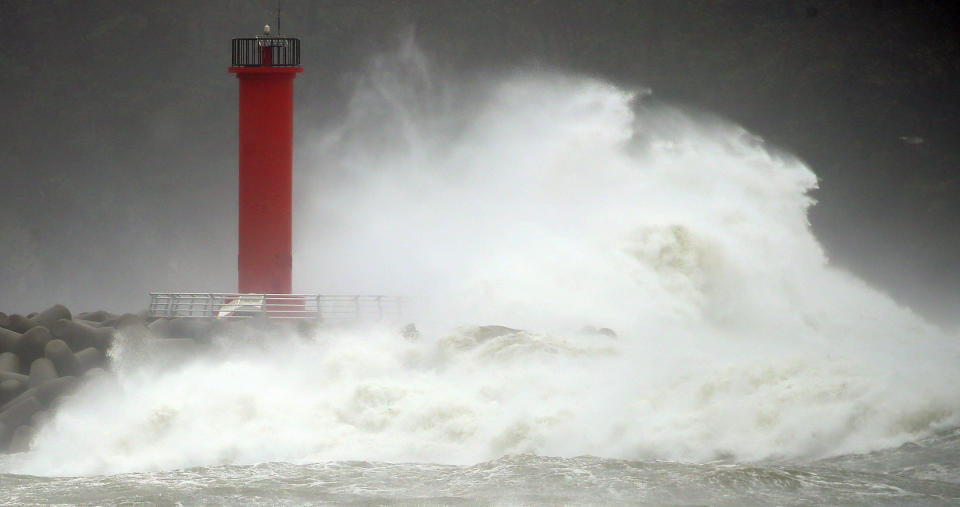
(548,203)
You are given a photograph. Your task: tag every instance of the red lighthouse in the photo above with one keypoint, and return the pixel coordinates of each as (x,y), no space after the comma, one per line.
(265,68)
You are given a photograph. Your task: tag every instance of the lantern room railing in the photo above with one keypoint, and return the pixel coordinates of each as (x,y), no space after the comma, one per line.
(266,52)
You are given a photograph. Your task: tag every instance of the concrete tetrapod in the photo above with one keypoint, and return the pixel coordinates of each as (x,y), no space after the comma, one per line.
(9,340)
(21,439)
(9,362)
(28,408)
(39,368)
(46,393)
(88,358)
(42,370)
(19,377)
(51,315)
(43,356)
(39,417)
(127,319)
(99,316)
(19,411)
(10,389)
(20,324)
(62,357)
(53,389)
(32,343)
(79,336)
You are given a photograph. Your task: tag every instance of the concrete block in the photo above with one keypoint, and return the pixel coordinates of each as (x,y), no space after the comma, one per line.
(98,316)
(89,357)
(55,388)
(19,377)
(21,324)
(9,362)
(78,336)
(10,389)
(32,344)
(62,357)
(19,412)
(41,370)
(21,440)
(9,340)
(127,319)
(39,418)
(49,316)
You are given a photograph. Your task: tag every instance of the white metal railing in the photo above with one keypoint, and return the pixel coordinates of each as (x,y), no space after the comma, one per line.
(331,308)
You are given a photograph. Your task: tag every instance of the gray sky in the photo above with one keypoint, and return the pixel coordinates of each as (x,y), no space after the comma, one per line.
(118,139)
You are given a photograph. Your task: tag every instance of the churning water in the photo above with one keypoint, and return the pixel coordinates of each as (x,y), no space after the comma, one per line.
(743,370)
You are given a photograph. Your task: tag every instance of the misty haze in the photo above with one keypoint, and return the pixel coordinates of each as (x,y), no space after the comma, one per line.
(542,253)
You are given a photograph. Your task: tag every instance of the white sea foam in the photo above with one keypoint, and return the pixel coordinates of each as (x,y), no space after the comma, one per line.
(545,203)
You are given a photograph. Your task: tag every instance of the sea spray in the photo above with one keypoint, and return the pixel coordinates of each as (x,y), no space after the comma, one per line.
(555,205)
(462,398)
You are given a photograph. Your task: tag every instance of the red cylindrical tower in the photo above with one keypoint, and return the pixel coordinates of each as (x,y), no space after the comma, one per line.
(266,67)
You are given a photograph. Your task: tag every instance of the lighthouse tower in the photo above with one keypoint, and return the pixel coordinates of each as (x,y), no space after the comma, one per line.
(265,68)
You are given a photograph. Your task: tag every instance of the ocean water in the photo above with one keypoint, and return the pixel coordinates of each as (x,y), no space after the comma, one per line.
(922,473)
(903,476)
(740,367)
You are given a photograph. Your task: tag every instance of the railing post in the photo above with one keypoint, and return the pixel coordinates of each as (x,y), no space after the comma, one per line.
(333,308)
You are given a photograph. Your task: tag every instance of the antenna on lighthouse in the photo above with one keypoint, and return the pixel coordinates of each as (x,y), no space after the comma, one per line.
(279,3)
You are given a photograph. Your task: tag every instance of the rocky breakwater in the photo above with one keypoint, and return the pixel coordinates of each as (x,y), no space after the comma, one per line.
(47,355)
(44,356)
